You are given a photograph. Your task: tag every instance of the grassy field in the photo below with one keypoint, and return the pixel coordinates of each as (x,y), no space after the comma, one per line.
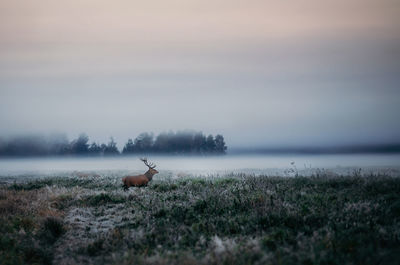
(235,219)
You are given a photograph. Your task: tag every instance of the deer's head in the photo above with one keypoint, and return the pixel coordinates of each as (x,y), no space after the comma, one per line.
(151,167)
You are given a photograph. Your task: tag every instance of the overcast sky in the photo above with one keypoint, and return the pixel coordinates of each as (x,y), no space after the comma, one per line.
(262,73)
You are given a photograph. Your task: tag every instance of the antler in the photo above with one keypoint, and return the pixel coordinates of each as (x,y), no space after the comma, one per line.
(151,165)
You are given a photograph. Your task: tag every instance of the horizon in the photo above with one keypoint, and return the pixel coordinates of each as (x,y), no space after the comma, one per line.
(52,145)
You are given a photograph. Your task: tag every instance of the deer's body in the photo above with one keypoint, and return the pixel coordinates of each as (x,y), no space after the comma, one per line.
(140,180)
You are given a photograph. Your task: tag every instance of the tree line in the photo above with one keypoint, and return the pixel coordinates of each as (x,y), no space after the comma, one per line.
(180,142)
(185,142)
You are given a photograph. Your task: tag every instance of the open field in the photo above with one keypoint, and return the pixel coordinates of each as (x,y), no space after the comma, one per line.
(234,219)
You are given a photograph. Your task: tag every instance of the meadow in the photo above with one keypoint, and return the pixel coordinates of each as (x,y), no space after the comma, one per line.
(231,219)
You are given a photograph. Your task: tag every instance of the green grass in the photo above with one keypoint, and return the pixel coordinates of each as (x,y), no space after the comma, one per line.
(239,219)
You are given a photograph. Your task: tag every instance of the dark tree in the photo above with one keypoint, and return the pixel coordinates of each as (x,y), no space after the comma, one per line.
(25,146)
(184,142)
(103,148)
(162,143)
(58,144)
(129,147)
(199,143)
(80,146)
(210,144)
(220,146)
(111,148)
(95,149)
(144,142)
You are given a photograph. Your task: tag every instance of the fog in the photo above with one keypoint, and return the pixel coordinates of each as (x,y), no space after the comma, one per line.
(261,73)
(179,166)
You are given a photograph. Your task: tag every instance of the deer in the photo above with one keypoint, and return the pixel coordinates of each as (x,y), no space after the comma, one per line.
(140,180)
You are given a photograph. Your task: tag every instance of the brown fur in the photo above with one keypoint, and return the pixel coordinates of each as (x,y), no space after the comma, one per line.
(140,180)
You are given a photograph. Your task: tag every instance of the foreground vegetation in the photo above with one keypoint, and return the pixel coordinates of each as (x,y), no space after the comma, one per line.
(235,219)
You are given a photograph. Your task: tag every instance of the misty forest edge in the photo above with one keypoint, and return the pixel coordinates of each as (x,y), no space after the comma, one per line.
(164,143)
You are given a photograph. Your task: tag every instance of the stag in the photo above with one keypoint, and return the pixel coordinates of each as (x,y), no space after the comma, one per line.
(140,180)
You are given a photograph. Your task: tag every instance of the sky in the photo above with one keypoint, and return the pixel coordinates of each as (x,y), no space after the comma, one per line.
(261,73)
